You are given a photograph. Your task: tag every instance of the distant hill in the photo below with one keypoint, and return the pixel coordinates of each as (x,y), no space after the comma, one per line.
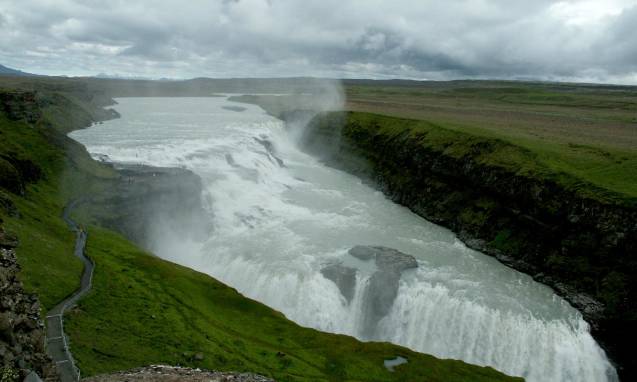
(4,71)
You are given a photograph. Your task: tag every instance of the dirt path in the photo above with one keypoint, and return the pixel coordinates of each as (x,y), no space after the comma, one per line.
(56,339)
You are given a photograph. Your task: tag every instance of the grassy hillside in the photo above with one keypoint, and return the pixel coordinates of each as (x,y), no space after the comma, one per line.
(585,133)
(143,310)
(47,169)
(606,175)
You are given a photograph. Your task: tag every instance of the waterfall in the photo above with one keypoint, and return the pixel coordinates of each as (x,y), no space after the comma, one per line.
(284,223)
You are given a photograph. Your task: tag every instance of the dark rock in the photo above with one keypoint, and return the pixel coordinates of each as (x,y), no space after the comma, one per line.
(8,240)
(387,259)
(162,373)
(7,205)
(382,287)
(238,109)
(32,377)
(343,277)
(6,322)
(21,105)
(10,177)
(169,198)
(21,327)
(16,172)
(269,147)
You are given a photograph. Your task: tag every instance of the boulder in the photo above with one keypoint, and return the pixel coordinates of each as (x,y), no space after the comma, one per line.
(32,377)
(344,278)
(381,288)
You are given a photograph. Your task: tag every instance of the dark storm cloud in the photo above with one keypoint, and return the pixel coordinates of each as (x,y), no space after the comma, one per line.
(574,40)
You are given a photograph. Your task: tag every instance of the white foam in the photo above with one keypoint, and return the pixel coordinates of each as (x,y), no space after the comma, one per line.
(275,227)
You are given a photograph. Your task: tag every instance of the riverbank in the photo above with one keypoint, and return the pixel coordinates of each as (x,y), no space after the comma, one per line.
(579,243)
(142,202)
(562,211)
(143,310)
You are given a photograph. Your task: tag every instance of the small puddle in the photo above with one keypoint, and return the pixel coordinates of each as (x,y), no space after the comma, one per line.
(391,363)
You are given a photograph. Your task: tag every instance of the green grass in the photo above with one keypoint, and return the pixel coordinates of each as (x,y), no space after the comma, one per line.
(585,135)
(66,171)
(45,250)
(46,244)
(604,174)
(146,310)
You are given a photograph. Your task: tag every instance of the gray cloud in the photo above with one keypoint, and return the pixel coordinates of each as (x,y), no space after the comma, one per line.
(569,40)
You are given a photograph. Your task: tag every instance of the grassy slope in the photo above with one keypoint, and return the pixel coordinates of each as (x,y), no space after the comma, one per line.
(44,237)
(578,134)
(519,159)
(114,326)
(46,244)
(146,310)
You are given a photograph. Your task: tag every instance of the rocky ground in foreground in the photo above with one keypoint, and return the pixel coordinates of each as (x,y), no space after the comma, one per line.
(176,374)
(22,347)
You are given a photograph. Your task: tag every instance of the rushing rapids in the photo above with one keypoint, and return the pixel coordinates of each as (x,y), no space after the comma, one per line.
(333,253)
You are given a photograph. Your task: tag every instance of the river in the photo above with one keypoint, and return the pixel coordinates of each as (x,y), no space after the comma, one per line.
(280,216)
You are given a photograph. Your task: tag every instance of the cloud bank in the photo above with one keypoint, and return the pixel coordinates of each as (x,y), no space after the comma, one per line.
(548,40)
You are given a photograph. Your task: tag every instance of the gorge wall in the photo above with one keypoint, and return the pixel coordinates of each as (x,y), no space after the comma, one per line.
(22,338)
(582,246)
(144,202)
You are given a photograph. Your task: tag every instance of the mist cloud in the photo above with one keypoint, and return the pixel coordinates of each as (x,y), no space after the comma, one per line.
(551,40)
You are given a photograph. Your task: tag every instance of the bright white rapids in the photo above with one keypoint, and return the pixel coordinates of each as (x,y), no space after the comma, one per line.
(280,216)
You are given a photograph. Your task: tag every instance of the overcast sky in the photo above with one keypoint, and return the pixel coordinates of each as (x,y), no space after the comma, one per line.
(574,40)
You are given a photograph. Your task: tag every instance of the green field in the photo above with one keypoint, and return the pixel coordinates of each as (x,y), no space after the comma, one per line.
(143,310)
(586,135)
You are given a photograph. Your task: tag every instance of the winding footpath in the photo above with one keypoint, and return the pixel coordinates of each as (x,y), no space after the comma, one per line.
(56,339)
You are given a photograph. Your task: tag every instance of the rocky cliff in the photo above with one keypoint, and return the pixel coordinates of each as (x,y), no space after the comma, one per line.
(22,339)
(143,203)
(584,247)
(162,373)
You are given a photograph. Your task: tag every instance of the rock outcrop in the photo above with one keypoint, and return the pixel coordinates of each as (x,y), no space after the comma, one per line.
(22,338)
(162,373)
(143,201)
(381,288)
(21,105)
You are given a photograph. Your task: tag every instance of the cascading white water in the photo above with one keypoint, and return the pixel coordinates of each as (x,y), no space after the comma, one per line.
(280,216)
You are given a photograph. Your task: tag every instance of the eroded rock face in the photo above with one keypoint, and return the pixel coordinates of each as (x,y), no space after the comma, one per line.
(21,105)
(381,288)
(344,278)
(143,202)
(163,373)
(21,328)
(587,247)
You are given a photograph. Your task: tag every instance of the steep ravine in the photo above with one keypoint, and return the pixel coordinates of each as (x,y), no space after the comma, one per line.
(581,246)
